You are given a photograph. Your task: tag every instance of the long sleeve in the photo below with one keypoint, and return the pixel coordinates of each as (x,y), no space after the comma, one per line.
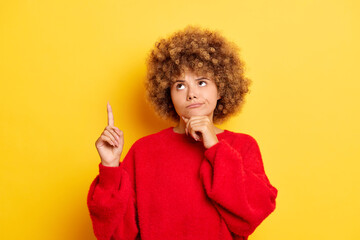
(112,203)
(236,183)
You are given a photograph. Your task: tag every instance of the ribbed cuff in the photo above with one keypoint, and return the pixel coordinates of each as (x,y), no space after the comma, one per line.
(109,177)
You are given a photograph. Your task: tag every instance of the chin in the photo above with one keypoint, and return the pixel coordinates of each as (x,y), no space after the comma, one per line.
(191,114)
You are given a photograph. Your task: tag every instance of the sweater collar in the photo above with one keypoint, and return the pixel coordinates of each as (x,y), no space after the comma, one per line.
(170,130)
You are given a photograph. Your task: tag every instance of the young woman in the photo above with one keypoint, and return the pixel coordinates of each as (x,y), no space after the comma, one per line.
(194,180)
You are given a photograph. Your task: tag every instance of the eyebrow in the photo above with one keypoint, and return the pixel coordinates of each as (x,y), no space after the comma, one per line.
(201,78)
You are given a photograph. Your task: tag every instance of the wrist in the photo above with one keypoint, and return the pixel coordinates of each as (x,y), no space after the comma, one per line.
(113,164)
(212,143)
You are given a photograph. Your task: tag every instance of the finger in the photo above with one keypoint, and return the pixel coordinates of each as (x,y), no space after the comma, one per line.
(190,130)
(188,122)
(113,132)
(108,134)
(107,139)
(113,140)
(194,120)
(198,121)
(187,128)
(200,127)
(201,120)
(110,115)
(185,119)
(194,134)
(118,131)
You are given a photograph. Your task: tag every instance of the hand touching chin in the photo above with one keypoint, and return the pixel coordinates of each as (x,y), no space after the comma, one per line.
(202,129)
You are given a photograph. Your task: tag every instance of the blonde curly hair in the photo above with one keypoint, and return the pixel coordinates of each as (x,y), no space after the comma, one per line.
(204,52)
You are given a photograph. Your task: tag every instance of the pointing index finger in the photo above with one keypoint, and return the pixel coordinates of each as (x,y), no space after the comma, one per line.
(110,115)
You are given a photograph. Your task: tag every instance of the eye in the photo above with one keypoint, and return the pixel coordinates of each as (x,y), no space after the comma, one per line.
(180,86)
(202,83)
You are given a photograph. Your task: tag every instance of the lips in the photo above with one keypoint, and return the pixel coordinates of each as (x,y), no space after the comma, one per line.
(195,105)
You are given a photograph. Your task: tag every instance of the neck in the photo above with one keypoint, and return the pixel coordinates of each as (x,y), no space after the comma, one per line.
(180,127)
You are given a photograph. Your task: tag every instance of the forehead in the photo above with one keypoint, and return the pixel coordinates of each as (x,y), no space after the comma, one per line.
(198,73)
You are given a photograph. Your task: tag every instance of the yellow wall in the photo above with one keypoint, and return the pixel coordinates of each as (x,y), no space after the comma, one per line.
(61,61)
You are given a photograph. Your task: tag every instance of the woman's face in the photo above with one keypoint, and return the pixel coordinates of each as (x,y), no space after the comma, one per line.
(194,95)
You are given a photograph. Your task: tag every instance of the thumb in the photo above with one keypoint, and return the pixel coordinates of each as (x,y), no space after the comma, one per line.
(185,119)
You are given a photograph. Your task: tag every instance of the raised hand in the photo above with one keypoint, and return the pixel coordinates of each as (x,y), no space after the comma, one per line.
(110,143)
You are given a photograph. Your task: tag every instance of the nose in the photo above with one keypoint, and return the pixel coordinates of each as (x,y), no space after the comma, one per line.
(190,97)
(191,93)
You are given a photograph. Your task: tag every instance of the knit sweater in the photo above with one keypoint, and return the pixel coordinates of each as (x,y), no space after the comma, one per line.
(170,186)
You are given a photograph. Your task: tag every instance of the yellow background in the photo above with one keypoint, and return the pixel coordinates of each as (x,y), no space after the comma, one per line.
(61,61)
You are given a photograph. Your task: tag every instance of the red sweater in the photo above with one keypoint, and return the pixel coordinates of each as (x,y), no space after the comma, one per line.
(170,187)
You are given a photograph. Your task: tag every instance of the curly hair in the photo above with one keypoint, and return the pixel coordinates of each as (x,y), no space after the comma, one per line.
(204,52)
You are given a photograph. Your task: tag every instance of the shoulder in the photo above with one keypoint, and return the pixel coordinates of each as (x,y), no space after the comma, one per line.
(244,142)
(238,137)
(152,139)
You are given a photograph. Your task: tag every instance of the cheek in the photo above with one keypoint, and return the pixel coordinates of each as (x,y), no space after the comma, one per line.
(176,98)
(212,96)
(172,94)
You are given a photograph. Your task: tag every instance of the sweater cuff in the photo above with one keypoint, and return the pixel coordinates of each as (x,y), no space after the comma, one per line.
(109,177)
(211,152)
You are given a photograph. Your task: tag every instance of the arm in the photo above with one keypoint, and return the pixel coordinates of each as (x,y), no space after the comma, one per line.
(237,185)
(112,203)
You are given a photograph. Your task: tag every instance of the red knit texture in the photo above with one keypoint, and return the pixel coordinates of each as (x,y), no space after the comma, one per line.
(170,187)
